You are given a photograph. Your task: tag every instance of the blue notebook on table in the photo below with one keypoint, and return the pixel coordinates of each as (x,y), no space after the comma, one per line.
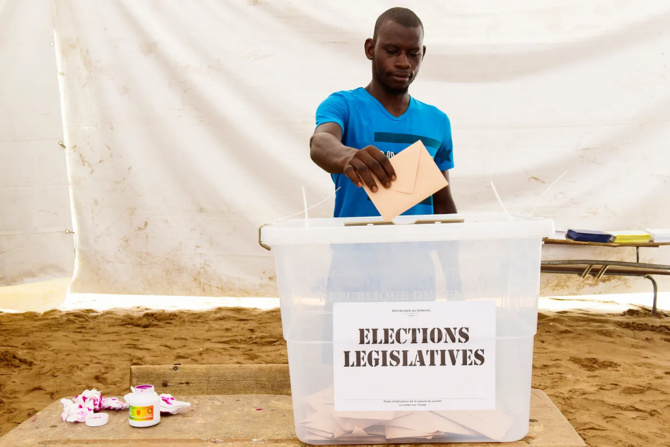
(588,236)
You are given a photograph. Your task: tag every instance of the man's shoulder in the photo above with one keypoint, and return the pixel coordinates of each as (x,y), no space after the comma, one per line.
(346,101)
(348,95)
(427,108)
(339,106)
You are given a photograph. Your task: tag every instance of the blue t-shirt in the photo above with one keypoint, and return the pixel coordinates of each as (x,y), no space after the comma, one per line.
(365,122)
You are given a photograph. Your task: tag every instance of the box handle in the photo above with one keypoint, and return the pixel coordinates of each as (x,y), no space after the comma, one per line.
(267,247)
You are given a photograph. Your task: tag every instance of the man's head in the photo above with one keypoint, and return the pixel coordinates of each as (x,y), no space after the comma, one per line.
(401,16)
(396,49)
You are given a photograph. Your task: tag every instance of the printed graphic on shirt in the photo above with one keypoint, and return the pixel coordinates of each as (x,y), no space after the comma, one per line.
(390,137)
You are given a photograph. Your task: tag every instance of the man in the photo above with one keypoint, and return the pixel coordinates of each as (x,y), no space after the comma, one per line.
(358,130)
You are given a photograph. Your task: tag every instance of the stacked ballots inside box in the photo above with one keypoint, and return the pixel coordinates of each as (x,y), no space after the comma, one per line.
(324,424)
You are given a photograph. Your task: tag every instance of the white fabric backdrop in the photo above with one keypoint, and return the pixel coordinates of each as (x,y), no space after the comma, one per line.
(187,124)
(34,198)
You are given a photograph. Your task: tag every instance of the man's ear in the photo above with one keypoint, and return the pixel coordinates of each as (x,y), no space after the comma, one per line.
(424,52)
(369,49)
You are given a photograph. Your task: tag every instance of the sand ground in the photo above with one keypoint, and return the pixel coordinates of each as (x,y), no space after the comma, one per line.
(608,373)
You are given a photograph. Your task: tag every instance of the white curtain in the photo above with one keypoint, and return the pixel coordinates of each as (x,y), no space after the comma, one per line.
(187,124)
(36,242)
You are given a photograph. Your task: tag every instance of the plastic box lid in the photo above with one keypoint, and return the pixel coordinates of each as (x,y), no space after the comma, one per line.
(447,227)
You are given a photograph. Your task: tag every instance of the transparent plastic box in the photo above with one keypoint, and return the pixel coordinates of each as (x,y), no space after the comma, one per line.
(449,258)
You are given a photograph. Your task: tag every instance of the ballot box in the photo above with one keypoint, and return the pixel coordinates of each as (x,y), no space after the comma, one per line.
(415,331)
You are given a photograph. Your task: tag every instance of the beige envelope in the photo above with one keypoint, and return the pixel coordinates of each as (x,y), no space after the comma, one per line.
(417,177)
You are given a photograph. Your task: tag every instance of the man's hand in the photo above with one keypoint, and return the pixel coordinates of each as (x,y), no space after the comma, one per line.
(362,163)
(327,151)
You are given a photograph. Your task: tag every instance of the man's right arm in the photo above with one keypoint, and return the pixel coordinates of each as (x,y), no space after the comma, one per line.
(327,151)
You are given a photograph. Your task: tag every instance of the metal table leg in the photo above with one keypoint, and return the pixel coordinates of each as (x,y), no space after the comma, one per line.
(653,282)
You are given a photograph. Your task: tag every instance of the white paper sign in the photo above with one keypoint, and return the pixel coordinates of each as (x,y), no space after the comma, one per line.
(409,356)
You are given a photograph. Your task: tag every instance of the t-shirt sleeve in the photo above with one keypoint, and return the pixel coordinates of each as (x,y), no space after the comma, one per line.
(333,109)
(444,157)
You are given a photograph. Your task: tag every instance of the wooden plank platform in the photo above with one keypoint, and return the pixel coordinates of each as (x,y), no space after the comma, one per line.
(180,380)
(240,421)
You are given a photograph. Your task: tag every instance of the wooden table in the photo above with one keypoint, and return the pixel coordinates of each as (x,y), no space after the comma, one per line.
(601,267)
(240,421)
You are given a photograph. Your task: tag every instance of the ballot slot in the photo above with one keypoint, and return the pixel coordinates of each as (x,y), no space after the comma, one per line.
(423,221)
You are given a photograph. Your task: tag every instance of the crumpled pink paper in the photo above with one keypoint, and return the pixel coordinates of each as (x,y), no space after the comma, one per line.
(91,401)
(112,403)
(170,405)
(84,404)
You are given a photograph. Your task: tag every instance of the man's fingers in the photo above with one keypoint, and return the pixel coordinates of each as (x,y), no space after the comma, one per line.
(365,163)
(377,162)
(350,172)
(364,174)
(383,169)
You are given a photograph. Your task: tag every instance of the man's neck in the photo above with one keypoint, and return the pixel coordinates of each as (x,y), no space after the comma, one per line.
(395,103)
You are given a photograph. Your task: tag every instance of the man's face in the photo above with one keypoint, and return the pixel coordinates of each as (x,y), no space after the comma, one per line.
(396,55)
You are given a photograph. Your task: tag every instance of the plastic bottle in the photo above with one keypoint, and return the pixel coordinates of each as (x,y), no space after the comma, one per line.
(145,406)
